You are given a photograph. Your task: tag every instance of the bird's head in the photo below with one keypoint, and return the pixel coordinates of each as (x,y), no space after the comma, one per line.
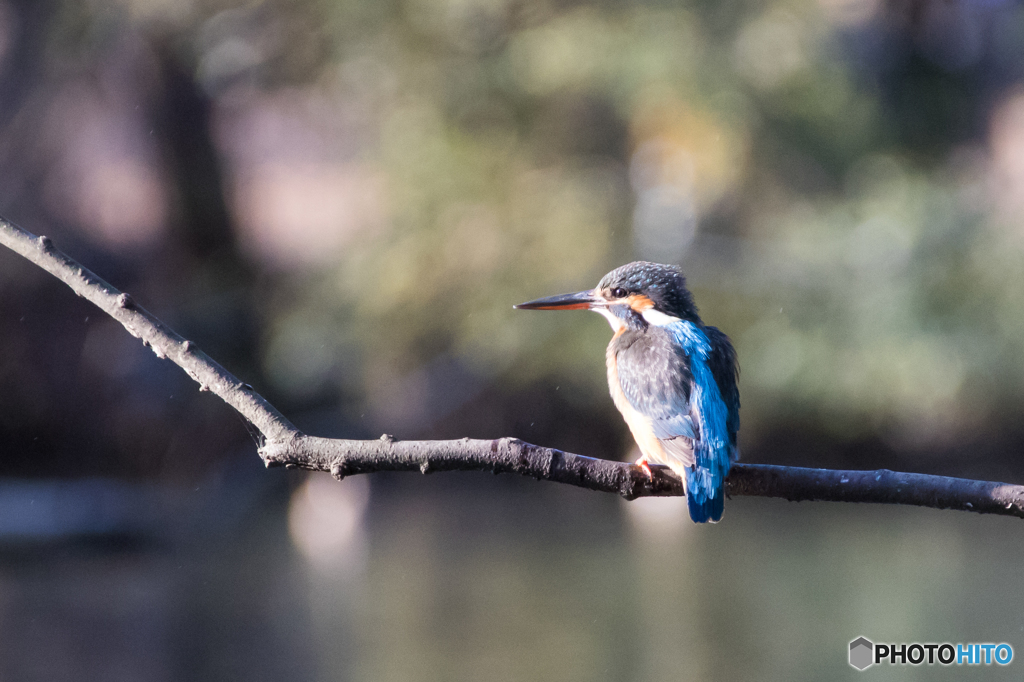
(631,296)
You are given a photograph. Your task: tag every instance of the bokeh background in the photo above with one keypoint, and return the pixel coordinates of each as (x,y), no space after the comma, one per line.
(340,200)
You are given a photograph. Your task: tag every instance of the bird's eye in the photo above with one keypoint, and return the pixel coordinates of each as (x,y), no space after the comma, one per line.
(618,292)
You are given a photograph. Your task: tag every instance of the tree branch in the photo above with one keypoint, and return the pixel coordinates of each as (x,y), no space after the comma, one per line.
(287,446)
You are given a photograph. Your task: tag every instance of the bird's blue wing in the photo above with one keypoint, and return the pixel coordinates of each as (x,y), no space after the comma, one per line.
(719,408)
(711,357)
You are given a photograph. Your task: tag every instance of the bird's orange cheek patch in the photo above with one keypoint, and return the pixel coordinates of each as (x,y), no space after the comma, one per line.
(639,303)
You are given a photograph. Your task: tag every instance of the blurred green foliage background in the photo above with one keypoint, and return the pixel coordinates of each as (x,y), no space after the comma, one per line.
(340,200)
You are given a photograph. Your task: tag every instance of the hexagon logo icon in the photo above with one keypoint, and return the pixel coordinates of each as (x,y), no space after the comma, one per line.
(861,653)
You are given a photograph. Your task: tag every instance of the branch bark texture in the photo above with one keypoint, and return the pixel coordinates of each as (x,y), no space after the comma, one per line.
(287,446)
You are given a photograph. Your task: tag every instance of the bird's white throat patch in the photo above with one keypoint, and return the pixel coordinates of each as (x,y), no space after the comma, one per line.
(614,321)
(658,318)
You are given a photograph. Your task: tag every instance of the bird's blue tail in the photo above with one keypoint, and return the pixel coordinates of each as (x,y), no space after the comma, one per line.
(705,499)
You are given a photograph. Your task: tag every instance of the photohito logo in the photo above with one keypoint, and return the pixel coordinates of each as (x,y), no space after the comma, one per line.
(864,653)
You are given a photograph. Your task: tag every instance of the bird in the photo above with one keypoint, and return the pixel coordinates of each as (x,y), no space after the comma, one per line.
(673,379)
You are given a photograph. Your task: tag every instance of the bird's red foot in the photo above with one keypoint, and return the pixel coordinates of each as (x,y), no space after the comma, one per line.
(643,464)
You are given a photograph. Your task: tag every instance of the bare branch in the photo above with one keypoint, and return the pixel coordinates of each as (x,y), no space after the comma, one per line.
(513,456)
(881,486)
(164,342)
(500,456)
(287,446)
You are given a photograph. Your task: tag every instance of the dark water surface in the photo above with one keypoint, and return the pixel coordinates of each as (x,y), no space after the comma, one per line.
(475,577)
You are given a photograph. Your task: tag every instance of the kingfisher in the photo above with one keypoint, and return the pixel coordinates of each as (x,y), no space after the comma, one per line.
(673,379)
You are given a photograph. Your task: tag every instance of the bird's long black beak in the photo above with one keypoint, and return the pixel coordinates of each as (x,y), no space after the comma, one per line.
(581,300)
